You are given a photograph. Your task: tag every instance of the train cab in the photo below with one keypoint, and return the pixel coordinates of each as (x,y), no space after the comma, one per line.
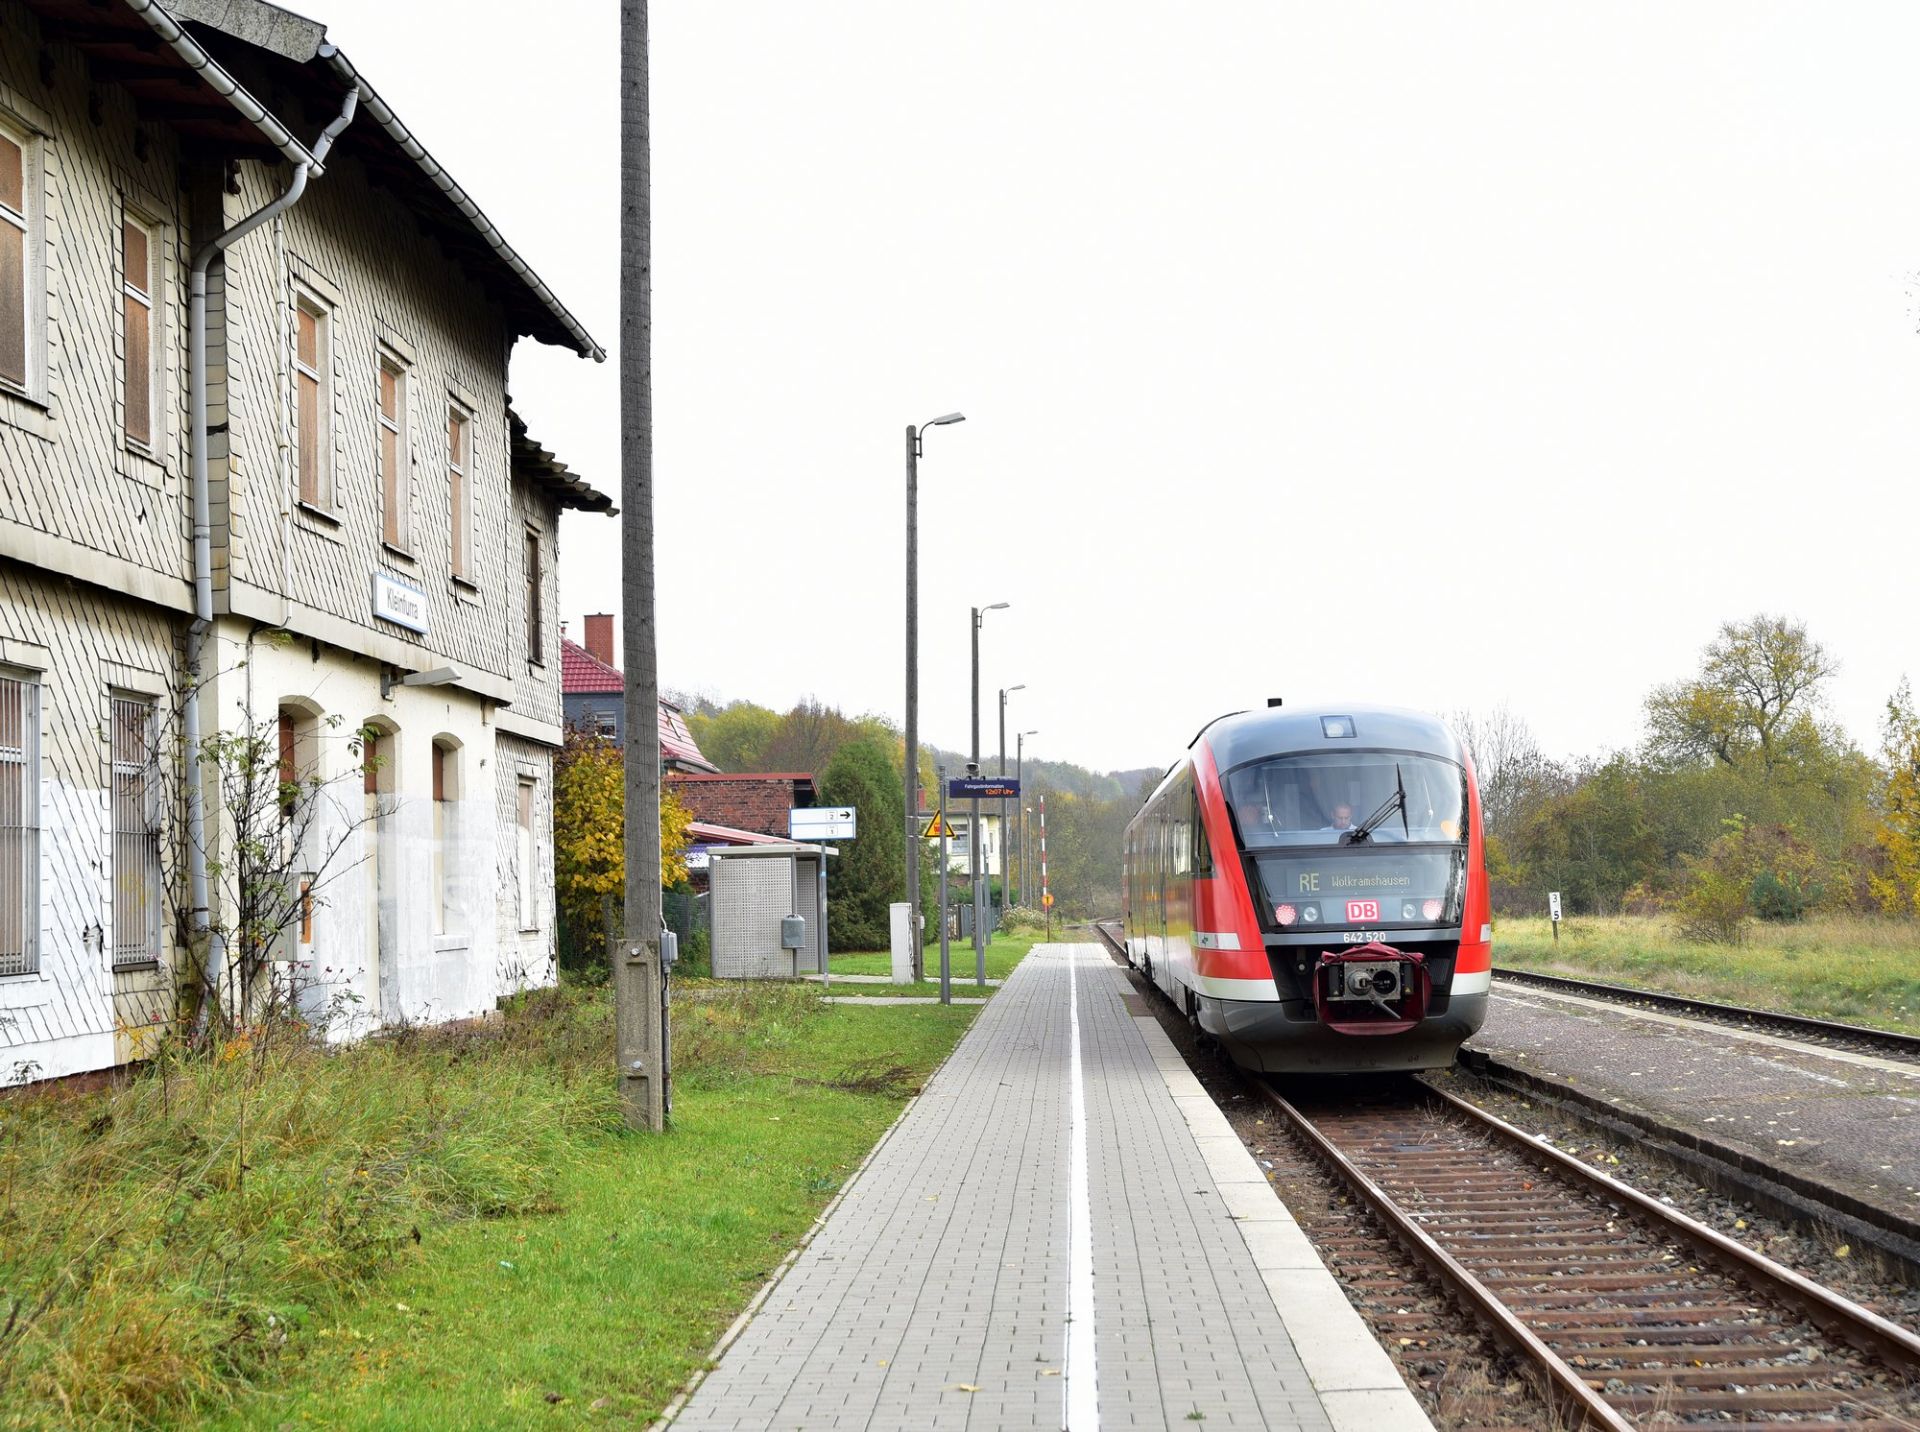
(1310,887)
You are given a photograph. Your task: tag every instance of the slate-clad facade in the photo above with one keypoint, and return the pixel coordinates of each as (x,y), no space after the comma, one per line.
(376,512)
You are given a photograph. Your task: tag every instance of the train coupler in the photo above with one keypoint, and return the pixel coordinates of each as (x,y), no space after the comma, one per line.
(1374,989)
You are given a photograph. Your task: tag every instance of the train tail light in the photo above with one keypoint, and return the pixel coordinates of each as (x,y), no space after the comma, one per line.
(1285,914)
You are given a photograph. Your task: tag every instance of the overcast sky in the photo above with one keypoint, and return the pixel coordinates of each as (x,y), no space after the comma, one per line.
(1435,355)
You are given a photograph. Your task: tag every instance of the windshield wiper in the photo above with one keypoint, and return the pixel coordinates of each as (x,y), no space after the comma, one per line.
(1397,801)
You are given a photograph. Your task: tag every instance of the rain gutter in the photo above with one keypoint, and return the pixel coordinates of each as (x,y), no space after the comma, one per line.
(221,83)
(202,623)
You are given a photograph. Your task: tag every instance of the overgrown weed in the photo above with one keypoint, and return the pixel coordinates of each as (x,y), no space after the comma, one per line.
(162,1241)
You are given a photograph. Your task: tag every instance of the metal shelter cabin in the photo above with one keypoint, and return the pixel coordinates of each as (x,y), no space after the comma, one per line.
(753,889)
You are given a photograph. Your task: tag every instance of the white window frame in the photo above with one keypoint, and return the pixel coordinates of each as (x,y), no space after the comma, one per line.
(306,300)
(32,224)
(135,843)
(153,444)
(460,513)
(401,538)
(23,884)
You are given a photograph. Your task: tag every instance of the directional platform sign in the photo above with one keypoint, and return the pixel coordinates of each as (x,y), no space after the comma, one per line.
(966,788)
(822,822)
(935,829)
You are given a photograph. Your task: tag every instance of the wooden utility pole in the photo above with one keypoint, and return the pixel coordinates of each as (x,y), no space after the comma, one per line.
(639,983)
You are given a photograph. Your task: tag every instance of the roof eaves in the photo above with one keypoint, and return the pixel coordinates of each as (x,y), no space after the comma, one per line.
(384,116)
(216,78)
(545,468)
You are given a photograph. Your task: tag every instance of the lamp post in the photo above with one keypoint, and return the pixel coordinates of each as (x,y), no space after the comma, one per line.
(1001,772)
(1019,770)
(910,774)
(973,809)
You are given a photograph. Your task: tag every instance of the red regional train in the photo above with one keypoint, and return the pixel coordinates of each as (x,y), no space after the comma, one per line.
(1310,887)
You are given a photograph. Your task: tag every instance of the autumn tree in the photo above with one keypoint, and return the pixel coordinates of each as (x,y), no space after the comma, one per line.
(1898,889)
(869,873)
(1755,700)
(589,836)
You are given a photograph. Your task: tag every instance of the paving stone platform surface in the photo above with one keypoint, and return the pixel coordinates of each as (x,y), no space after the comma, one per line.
(936,1295)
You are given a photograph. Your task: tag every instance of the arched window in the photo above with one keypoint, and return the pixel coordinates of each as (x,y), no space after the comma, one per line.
(446,794)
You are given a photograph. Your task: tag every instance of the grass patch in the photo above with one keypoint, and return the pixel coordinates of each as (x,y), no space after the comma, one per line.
(450,1229)
(1853,968)
(1004,951)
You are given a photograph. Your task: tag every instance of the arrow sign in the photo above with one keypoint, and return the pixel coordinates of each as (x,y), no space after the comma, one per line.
(822,822)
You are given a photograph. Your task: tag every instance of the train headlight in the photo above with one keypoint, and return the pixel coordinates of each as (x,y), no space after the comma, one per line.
(1285,914)
(1432,908)
(1312,915)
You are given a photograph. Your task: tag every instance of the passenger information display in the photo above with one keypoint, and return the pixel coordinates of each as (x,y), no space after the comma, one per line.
(1403,887)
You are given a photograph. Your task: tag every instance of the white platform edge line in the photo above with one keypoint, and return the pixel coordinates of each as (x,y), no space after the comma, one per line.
(1371,1397)
(1080,1397)
(1521,993)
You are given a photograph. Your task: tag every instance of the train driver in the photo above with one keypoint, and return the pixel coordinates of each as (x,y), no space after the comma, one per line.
(1253,819)
(1339,819)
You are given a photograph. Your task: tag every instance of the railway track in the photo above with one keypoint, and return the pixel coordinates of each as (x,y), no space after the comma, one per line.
(1632,1315)
(1857,1038)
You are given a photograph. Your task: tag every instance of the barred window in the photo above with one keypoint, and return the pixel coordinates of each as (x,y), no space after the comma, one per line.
(19,826)
(136,835)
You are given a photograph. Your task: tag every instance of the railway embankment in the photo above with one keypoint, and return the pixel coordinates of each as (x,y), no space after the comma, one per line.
(1815,1133)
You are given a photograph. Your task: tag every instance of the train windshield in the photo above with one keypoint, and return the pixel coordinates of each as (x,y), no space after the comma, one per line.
(1359,797)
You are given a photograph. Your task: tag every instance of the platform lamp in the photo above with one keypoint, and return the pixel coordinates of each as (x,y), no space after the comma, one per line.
(1001,772)
(911,773)
(973,810)
(1019,766)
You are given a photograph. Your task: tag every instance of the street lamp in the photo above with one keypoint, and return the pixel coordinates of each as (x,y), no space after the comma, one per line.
(1005,868)
(1019,770)
(973,810)
(911,773)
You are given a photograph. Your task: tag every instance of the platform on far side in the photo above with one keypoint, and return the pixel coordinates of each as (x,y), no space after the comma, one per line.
(1062,1231)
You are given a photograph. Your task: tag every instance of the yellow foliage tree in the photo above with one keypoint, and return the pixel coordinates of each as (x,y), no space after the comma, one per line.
(1898,890)
(589,833)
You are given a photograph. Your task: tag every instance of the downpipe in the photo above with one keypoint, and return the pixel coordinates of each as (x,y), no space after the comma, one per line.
(199,912)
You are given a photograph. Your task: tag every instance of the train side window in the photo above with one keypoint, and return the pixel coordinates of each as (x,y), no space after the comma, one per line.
(1202,849)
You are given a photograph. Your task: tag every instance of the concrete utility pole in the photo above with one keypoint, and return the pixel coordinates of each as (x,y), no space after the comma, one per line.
(639,983)
(1006,845)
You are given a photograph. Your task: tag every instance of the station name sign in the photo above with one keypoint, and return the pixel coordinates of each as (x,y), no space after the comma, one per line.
(966,788)
(399,602)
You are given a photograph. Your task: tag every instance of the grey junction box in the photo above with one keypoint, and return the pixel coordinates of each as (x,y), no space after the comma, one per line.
(759,892)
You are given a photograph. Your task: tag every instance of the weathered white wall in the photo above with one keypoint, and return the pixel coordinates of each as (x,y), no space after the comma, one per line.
(76,1013)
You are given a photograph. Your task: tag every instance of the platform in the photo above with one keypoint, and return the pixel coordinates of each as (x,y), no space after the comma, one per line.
(1061,1231)
(1846,1119)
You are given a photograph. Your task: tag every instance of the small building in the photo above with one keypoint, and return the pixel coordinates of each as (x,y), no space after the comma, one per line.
(594,694)
(753,802)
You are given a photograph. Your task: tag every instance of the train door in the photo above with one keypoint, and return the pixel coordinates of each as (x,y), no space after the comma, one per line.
(1163,887)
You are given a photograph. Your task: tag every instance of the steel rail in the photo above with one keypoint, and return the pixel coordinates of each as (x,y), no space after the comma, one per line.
(1562,1379)
(1906,1046)
(1843,1317)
